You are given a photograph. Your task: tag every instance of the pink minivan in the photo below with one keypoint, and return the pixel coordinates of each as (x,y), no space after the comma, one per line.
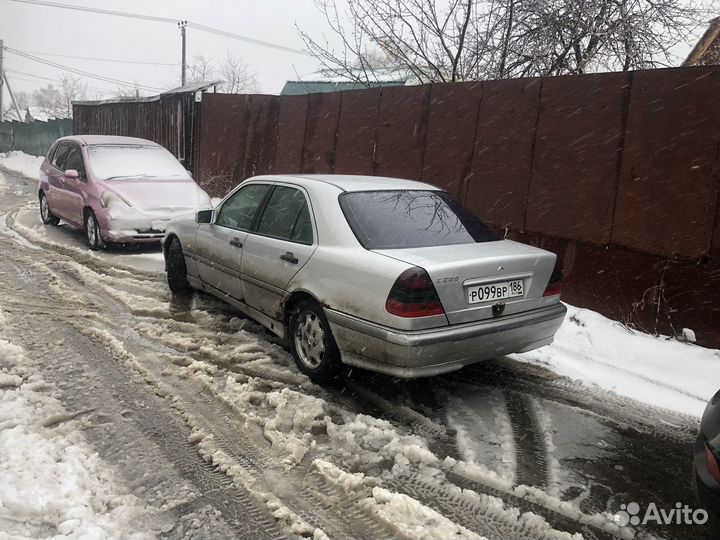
(118,189)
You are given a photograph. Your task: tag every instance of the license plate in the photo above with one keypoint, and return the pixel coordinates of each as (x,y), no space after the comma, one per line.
(495,291)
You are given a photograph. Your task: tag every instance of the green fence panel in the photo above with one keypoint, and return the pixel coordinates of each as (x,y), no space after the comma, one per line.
(6,137)
(35,138)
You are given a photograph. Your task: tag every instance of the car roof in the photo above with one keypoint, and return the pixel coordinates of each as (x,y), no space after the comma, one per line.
(108,139)
(350,182)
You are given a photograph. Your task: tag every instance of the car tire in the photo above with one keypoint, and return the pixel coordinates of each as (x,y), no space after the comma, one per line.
(48,218)
(312,343)
(92,232)
(176,268)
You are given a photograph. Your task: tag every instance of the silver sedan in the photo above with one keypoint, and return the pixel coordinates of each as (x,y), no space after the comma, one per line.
(389,275)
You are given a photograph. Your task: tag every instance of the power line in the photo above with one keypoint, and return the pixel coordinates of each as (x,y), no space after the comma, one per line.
(48,79)
(143,62)
(98,10)
(246,39)
(196,26)
(80,72)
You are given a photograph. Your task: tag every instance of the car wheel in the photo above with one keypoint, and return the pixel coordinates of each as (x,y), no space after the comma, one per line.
(92,231)
(312,344)
(48,218)
(176,268)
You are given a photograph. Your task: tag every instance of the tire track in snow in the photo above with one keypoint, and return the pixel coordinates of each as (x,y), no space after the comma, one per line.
(427,426)
(529,444)
(87,376)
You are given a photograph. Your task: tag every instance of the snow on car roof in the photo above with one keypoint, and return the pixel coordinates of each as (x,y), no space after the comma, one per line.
(108,139)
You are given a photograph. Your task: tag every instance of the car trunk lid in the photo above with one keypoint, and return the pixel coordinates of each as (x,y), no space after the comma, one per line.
(465,275)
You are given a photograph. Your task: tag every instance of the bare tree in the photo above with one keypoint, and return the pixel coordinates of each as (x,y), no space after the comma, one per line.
(201,69)
(559,36)
(22,99)
(57,101)
(236,76)
(127,92)
(451,40)
(235,73)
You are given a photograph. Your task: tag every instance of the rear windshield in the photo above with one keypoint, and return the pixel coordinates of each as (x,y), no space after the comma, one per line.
(132,162)
(411,219)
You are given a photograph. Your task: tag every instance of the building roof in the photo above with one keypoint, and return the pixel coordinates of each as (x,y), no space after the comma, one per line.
(193,87)
(38,113)
(707,49)
(298,88)
(187,89)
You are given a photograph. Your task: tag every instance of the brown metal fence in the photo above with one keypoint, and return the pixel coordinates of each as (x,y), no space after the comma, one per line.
(169,120)
(618,173)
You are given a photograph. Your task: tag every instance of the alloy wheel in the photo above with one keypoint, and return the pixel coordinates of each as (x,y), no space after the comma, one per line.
(310,340)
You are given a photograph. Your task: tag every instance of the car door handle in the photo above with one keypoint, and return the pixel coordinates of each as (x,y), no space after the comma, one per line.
(289,257)
(236,242)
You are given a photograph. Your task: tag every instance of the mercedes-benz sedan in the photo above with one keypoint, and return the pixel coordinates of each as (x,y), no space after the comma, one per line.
(118,189)
(390,275)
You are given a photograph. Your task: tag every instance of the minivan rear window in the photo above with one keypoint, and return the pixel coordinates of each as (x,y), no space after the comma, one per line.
(411,219)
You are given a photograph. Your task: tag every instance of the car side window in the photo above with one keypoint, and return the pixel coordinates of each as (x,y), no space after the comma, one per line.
(287,216)
(74,160)
(239,211)
(60,155)
(51,152)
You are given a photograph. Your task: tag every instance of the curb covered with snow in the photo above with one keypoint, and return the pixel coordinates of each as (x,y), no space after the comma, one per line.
(659,371)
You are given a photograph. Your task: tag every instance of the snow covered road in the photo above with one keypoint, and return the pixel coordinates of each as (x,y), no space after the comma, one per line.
(203,427)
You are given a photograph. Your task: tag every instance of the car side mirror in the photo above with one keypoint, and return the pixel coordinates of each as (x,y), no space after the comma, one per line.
(72,174)
(204,216)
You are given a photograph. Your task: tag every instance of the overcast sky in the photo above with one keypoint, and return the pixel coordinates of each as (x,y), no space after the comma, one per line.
(39,29)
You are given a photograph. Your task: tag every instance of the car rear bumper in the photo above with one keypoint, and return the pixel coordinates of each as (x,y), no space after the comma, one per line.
(426,353)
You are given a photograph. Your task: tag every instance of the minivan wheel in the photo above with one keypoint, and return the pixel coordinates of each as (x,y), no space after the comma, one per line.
(176,268)
(92,232)
(48,218)
(312,344)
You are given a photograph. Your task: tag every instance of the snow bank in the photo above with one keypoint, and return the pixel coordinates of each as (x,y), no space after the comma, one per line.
(20,162)
(411,518)
(51,482)
(656,370)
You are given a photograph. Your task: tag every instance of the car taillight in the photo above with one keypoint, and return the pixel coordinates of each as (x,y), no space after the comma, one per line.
(414,295)
(554,286)
(712,463)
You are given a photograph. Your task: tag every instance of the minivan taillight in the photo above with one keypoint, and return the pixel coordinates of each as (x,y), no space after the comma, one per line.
(414,295)
(554,286)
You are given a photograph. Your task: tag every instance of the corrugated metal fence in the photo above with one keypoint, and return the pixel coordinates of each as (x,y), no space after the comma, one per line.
(619,173)
(167,119)
(32,138)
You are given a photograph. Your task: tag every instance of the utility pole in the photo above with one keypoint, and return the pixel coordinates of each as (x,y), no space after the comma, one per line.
(181,26)
(2,78)
(12,97)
